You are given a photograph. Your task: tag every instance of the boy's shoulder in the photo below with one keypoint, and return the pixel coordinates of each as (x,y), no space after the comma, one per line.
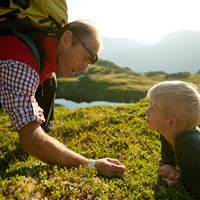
(187,149)
(188,139)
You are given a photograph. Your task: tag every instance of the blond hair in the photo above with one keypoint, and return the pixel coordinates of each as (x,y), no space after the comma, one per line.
(178,99)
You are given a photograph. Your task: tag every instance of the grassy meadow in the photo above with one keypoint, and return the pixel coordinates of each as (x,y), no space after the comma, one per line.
(95,132)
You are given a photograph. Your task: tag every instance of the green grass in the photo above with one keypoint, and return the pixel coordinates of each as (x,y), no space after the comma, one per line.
(95,132)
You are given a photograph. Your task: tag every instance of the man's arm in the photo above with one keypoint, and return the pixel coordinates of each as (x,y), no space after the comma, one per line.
(49,150)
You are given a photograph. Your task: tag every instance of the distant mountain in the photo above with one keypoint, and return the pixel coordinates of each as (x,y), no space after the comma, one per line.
(113,46)
(177,51)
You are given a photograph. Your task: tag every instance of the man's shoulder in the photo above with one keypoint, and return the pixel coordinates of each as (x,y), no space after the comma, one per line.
(48,39)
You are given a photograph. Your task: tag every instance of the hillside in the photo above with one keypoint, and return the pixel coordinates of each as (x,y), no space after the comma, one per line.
(177,51)
(106,81)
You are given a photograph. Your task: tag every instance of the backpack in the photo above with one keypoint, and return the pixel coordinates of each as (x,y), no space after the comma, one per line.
(31,20)
(46,15)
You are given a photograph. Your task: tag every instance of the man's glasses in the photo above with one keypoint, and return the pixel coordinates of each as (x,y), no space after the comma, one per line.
(92,55)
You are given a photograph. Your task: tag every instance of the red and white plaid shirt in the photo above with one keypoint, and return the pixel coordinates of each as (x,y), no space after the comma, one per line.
(18,83)
(19,78)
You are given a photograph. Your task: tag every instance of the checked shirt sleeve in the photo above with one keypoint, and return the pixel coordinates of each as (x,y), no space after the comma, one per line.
(18,84)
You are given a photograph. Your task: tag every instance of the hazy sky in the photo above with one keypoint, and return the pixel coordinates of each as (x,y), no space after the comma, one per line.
(142,20)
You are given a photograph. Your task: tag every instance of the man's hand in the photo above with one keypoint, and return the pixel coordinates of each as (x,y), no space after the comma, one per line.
(109,167)
(171,175)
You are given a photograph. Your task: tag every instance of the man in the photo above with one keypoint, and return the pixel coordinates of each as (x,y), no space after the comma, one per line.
(68,52)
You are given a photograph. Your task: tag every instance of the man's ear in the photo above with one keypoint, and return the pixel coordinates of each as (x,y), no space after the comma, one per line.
(67,37)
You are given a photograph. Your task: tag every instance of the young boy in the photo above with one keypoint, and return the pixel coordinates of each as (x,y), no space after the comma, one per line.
(175,111)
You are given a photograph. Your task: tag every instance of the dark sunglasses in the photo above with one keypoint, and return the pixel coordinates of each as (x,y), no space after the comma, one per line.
(92,55)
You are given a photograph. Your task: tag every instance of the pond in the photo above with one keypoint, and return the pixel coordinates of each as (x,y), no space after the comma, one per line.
(73,105)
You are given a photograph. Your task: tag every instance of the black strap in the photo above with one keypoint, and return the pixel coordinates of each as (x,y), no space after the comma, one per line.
(24,4)
(32,45)
(5,3)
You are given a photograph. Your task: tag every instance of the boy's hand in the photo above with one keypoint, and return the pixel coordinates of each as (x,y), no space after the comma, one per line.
(168,170)
(175,183)
(171,175)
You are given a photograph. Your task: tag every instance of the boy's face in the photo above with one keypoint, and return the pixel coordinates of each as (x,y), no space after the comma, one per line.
(155,118)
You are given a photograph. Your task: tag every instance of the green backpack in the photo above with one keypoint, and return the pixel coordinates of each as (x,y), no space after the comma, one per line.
(31,20)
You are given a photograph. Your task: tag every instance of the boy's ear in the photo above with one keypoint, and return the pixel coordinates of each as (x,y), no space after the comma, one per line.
(172,121)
